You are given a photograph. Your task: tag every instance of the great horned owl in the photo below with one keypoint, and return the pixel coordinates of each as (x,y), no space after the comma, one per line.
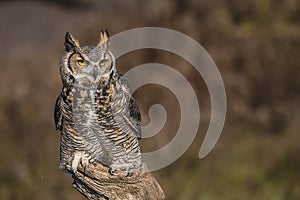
(98,119)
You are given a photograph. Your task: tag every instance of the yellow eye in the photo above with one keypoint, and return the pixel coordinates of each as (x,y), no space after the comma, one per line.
(81,63)
(102,63)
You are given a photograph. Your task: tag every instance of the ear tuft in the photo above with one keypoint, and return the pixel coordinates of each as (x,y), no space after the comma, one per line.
(71,43)
(104,38)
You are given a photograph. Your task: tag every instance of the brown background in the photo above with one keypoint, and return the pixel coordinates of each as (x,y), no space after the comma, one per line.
(256,46)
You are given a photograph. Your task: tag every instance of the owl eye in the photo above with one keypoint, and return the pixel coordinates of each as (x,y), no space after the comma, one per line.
(81,62)
(103,62)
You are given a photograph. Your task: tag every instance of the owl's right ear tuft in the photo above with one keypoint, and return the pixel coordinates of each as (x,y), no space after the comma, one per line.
(71,44)
(104,39)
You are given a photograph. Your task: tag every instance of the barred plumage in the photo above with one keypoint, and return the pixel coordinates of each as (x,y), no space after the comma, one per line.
(95,112)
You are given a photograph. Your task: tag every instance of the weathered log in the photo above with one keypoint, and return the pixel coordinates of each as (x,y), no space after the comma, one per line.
(96,183)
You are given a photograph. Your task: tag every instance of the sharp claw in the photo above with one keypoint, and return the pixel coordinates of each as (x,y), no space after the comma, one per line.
(85,161)
(74,170)
(84,168)
(111,171)
(80,157)
(118,172)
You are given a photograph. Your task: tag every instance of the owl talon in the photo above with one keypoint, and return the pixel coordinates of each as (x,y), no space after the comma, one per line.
(119,171)
(75,162)
(80,157)
(84,169)
(111,171)
(74,171)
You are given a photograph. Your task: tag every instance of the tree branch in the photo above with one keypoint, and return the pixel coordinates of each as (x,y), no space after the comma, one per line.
(97,184)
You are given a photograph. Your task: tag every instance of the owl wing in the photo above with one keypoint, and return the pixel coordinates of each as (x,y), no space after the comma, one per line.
(134,119)
(58,117)
(132,115)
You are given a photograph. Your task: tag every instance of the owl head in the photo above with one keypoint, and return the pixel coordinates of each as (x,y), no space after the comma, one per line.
(87,66)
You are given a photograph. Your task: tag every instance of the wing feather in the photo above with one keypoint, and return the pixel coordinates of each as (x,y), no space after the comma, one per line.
(58,118)
(132,114)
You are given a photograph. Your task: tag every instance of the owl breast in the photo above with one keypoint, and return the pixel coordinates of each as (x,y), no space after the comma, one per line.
(91,124)
(97,116)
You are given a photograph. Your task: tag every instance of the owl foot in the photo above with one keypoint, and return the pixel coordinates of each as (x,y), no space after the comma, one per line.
(118,172)
(123,170)
(80,157)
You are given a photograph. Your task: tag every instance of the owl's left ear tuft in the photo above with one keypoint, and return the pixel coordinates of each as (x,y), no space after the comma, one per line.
(71,43)
(104,38)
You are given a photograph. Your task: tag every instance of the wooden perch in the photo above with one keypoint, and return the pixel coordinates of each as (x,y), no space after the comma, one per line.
(97,184)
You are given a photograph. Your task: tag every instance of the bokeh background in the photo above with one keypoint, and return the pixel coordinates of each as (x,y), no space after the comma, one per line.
(256,46)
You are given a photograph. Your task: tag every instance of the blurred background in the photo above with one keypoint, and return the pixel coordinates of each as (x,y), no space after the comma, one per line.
(256,46)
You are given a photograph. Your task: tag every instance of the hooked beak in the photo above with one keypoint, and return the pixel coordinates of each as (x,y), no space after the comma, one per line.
(95,72)
(91,72)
